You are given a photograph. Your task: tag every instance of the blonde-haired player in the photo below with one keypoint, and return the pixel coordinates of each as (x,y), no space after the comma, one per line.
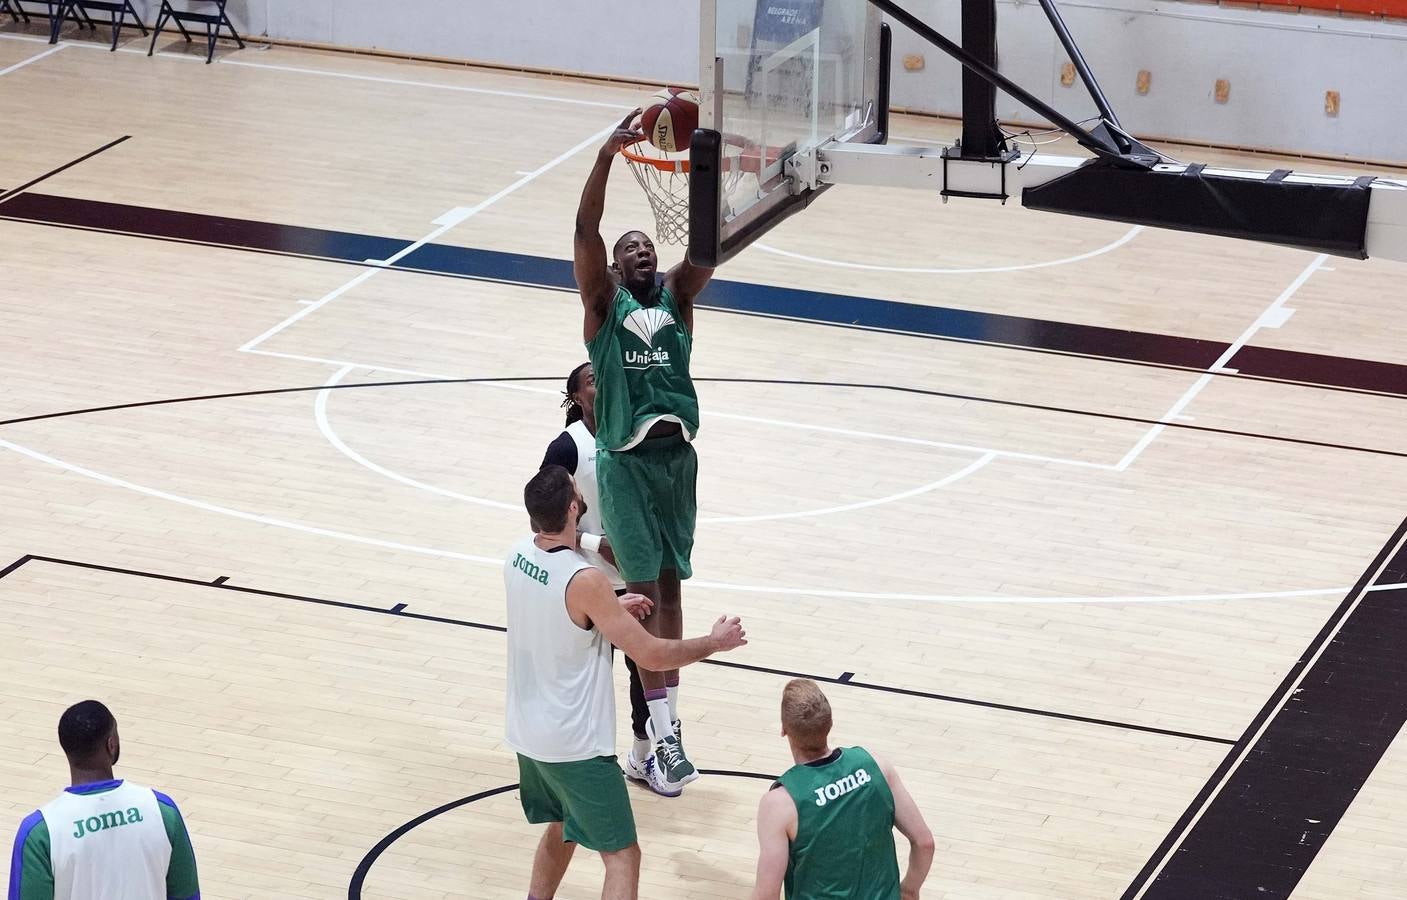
(826,828)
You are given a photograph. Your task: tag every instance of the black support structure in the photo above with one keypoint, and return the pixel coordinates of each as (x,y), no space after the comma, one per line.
(1099,142)
(981,135)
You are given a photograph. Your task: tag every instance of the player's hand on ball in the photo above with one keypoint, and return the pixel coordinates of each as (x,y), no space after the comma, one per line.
(638,605)
(728,633)
(627,132)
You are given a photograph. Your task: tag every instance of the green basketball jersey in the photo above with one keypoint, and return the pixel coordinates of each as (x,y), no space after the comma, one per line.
(641,358)
(844,844)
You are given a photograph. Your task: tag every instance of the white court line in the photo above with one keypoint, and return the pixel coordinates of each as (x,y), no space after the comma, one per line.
(921,442)
(239,514)
(328,432)
(325,426)
(943,482)
(450,219)
(1128,236)
(780,423)
(1273,317)
(518,95)
(103,46)
(21,64)
(1283,699)
(713,585)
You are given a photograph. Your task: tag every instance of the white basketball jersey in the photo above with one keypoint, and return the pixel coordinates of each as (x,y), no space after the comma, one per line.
(586,482)
(561,699)
(111,845)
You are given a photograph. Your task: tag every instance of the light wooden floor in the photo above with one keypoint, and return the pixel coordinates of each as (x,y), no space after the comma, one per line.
(1004,555)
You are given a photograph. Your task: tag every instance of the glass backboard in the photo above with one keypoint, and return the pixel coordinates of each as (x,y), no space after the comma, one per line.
(777,78)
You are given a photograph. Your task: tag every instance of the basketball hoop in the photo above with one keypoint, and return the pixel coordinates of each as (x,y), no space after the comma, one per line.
(665,180)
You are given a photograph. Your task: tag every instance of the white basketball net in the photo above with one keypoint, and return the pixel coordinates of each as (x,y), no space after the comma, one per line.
(666,183)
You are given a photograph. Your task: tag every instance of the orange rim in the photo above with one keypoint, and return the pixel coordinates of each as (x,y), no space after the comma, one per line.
(753,158)
(664,164)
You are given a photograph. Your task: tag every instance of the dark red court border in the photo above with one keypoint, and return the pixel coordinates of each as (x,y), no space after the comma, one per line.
(921,320)
(1268,809)
(354,890)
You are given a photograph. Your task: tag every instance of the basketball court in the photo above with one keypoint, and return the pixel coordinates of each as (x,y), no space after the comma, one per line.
(1066,515)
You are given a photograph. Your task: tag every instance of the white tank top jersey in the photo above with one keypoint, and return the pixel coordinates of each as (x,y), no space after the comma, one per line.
(586,482)
(111,845)
(561,698)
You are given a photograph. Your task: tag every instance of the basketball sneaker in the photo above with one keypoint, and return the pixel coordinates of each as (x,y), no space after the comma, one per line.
(679,736)
(648,773)
(673,766)
(637,769)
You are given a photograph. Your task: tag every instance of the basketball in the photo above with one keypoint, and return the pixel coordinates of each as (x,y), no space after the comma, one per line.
(669,121)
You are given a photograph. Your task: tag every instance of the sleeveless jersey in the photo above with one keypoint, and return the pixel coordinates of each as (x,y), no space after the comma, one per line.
(844,844)
(586,483)
(641,360)
(561,699)
(111,844)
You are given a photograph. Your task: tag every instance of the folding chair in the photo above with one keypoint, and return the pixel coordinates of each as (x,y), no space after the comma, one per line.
(213,22)
(16,11)
(117,13)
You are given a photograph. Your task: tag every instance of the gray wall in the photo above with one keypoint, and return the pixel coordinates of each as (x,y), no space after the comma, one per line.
(1279,64)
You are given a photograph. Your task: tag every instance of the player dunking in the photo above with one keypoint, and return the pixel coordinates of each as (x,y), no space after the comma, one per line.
(639,334)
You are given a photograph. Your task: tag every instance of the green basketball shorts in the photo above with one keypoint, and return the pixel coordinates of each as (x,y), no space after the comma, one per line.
(649,505)
(588,797)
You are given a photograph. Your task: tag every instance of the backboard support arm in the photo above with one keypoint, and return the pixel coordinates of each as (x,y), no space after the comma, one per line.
(1100,141)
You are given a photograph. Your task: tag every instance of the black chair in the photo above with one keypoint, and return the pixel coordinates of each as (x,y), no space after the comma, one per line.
(19,14)
(15,10)
(213,23)
(117,13)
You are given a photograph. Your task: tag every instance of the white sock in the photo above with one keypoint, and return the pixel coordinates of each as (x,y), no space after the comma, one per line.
(640,750)
(660,718)
(673,694)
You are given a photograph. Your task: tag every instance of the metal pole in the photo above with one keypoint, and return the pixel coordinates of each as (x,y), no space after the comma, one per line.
(1086,139)
(1076,57)
(981,135)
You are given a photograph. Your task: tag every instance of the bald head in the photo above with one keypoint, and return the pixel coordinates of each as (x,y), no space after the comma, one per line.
(633,258)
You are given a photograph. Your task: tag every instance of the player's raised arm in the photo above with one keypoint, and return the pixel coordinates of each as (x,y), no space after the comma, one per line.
(593,274)
(909,820)
(776,819)
(686,281)
(590,601)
